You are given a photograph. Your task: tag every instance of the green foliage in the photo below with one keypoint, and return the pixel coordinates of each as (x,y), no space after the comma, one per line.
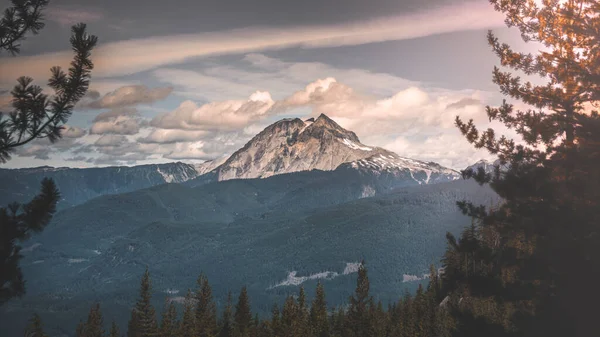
(226,324)
(358,322)
(206,310)
(145,315)
(513,272)
(319,322)
(35,327)
(17,222)
(242,319)
(94,325)
(169,325)
(188,322)
(114,331)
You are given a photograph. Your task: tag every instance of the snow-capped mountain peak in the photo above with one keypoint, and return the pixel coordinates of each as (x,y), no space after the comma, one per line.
(292,145)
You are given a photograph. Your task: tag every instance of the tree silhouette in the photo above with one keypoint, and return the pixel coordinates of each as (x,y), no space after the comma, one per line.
(34,115)
(513,272)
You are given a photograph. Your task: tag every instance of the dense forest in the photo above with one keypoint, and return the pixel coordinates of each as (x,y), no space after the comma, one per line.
(422,315)
(528,267)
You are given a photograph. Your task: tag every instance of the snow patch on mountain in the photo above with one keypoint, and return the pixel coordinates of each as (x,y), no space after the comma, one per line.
(413,278)
(356,146)
(294,280)
(351,268)
(71,261)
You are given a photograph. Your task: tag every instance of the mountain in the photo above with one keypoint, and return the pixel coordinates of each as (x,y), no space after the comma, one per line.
(487,165)
(293,145)
(270,234)
(287,146)
(79,185)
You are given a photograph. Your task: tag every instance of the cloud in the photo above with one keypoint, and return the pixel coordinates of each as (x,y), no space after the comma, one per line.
(464,102)
(190,151)
(166,136)
(37,151)
(121,125)
(125,96)
(72,132)
(111,140)
(5,101)
(114,113)
(215,116)
(137,55)
(71,16)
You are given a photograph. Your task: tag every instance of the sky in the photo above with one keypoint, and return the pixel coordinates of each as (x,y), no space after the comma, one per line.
(192,81)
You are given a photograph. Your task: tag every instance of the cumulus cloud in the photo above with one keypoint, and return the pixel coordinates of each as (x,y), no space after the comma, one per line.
(224,115)
(132,56)
(125,96)
(120,125)
(167,136)
(189,151)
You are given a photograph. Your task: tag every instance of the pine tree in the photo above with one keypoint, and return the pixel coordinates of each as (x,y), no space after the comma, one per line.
(94,327)
(318,313)
(169,325)
(358,322)
(188,321)
(206,310)
(35,327)
(34,115)
(276,327)
(301,324)
(226,320)
(145,315)
(132,325)
(289,317)
(242,318)
(114,330)
(80,329)
(338,323)
(519,276)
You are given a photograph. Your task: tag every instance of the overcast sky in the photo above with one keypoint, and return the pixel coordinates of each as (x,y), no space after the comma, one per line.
(188,81)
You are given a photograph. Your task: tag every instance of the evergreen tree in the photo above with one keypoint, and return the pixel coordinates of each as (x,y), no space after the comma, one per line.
(35,327)
(289,317)
(132,325)
(242,318)
(169,325)
(358,322)
(276,325)
(226,320)
(114,330)
(301,323)
(34,115)
(80,329)
(145,315)
(338,323)
(94,327)
(318,313)
(188,322)
(206,310)
(518,279)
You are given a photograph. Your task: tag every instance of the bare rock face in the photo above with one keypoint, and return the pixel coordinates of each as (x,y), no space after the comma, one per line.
(293,145)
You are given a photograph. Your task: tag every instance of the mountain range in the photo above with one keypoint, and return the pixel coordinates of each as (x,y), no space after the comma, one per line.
(302,201)
(287,146)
